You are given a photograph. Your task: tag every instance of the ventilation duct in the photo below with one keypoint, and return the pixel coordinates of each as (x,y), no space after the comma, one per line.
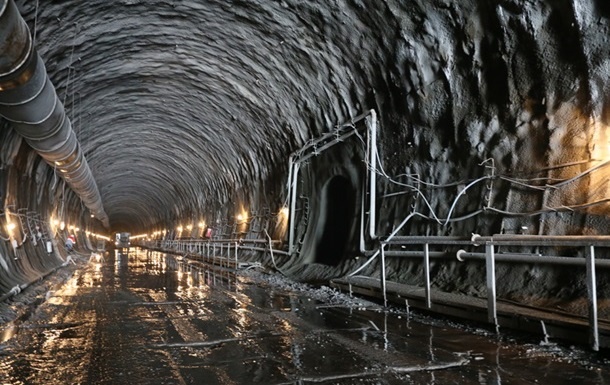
(29,102)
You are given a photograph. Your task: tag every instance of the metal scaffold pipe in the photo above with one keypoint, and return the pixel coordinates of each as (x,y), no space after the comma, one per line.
(463,255)
(28,100)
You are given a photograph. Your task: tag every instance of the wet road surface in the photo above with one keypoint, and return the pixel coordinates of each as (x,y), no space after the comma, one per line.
(142,319)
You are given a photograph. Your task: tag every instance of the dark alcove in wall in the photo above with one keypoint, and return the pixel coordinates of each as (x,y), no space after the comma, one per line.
(338,200)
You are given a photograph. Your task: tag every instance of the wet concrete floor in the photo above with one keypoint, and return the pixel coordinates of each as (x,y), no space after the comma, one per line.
(142,319)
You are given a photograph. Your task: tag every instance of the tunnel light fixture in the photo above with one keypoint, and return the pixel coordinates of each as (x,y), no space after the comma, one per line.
(55,223)
(179,228)
(71,227)
(242,216)
(62,226)
(284,212)
(189,227)
(201,224)
(10,226)
(77,229)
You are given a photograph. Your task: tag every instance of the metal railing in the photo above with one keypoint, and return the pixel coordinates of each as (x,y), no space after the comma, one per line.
(215,251)
(490,257)
(226,251)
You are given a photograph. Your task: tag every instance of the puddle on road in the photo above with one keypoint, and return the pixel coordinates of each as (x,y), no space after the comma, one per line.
(148,318)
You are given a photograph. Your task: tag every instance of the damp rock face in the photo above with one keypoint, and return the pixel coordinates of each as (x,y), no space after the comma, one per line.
(493,116)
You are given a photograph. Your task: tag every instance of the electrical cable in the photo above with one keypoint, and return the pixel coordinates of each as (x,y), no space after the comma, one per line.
(462,193)
(271,253)
(551,209)
(35,24)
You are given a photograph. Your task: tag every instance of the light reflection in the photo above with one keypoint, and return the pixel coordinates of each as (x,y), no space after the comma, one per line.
(7,333)
(290,348)
(189,280)
(281,225)
(304,338)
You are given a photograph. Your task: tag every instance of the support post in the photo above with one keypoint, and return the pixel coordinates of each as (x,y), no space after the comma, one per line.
(592,296)
(490,264)
(292,212)
(383,283)
(427,275)
(372,141)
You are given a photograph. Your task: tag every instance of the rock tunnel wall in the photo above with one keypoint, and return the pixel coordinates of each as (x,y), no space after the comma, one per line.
(493,119)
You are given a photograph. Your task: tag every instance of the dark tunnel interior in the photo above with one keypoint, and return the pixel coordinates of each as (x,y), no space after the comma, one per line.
(335,130)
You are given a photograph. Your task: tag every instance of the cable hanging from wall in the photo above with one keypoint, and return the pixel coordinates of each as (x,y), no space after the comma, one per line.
(523,182)
(35,24)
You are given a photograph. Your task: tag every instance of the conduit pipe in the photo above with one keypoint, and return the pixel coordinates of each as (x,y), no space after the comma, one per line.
(423,239)
(463,255)
(28,100)
(543,240)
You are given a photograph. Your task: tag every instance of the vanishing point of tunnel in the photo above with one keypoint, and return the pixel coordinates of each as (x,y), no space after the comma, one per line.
(295,192)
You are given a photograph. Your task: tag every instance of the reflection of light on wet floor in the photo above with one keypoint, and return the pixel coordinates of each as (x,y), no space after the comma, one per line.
(151,318)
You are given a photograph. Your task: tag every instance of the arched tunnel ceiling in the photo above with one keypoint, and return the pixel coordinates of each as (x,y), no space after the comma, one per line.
(177,103)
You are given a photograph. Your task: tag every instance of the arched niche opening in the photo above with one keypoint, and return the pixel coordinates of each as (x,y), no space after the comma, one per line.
(335,220)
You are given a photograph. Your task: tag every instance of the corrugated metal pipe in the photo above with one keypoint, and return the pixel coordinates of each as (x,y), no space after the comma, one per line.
(28,100)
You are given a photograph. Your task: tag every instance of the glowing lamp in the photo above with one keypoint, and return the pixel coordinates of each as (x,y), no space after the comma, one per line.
(284,212)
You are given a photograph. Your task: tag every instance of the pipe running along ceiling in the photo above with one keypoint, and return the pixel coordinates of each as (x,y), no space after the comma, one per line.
(29,102)
(178,104)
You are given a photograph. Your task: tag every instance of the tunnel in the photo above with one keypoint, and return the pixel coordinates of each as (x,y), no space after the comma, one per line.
(382,148)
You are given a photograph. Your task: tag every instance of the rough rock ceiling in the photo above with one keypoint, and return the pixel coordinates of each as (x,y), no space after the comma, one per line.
(178,103)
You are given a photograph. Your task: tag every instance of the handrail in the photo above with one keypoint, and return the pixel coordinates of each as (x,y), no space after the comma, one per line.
(490,258)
